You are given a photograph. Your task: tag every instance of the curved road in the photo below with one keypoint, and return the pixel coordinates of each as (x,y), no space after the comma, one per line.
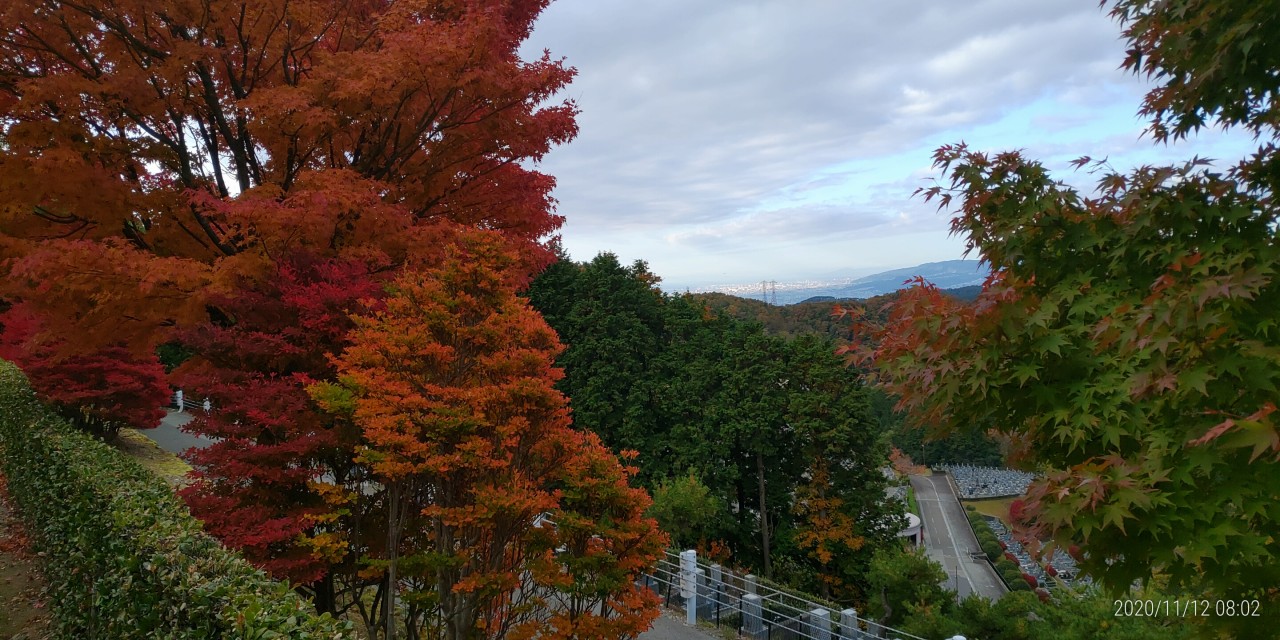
(949,540)
(171,438)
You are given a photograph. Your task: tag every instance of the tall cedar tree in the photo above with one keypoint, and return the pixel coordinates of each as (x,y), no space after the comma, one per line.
(1128,341)
(842,514)
(203,149)
(611,316)
(451,383)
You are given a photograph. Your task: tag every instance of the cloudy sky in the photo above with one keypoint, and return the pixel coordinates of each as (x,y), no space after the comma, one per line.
(734,141)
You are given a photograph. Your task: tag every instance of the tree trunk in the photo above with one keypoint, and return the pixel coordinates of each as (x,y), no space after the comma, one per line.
(764,516)
(393,548)
(323,598)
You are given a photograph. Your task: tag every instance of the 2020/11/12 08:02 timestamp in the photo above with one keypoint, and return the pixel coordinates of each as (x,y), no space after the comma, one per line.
(1187,608)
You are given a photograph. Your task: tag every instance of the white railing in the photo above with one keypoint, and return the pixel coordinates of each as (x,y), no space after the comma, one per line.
(715,595)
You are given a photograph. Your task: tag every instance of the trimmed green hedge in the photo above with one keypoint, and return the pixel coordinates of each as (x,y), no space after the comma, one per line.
(124,558)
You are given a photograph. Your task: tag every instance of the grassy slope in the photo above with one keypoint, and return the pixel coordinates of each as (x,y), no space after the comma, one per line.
(996,507)
(148,454)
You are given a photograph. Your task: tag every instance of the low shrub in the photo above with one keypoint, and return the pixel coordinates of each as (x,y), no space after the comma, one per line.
(123,556)
(992,550)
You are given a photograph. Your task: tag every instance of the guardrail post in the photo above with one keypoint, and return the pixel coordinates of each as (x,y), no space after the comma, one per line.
(689,585)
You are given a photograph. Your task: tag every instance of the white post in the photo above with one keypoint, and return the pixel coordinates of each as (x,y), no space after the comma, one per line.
(689,585)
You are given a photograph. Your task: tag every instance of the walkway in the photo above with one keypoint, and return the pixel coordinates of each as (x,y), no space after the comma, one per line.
(171,438)
(949,540)
(667,627)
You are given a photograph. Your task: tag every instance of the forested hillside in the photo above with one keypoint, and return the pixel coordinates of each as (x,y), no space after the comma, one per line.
(756,446)
(821,318)
(811,316)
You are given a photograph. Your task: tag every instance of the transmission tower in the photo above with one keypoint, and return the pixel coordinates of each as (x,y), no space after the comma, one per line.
(769,292)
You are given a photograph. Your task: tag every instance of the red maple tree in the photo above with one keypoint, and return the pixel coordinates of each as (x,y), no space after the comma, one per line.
(253,486)
(100,391)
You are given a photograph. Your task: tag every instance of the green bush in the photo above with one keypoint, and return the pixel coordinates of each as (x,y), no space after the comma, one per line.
(1005,565)
(123,556)
(993,550)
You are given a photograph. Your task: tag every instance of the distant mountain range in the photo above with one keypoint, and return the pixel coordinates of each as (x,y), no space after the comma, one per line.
(951,274)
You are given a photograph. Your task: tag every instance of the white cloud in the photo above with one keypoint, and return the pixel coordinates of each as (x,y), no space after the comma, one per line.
(765,128)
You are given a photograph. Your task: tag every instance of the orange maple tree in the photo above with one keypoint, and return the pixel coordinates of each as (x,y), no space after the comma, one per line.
(153,150)
(511,520)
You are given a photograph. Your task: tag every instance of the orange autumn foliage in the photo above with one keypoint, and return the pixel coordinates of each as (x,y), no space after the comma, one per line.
(172,171)
(521,526)
(157,152)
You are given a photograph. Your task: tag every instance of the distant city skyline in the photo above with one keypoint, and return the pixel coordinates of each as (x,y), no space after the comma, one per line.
(729,143)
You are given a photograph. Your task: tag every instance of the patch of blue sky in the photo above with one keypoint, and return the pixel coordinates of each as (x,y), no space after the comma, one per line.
(1049,130)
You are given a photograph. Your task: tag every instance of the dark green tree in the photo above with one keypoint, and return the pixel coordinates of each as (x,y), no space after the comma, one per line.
(904,582)
(842,513)
(610,316)
(751,416)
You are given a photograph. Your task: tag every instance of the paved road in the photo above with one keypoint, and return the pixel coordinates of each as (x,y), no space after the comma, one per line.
(171,438)
(949,540)
(667,627)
